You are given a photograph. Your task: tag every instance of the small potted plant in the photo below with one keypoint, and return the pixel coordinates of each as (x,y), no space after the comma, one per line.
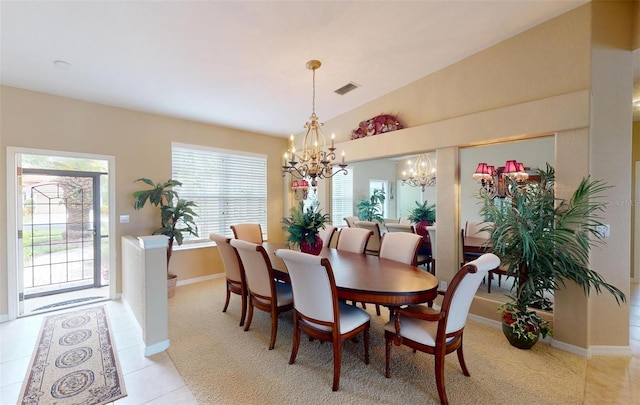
(303,226)
(176,216)
(371,209)
(544,242)
(423,215)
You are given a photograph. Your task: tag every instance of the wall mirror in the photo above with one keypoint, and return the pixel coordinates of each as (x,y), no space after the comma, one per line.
(532,153)
(382,173)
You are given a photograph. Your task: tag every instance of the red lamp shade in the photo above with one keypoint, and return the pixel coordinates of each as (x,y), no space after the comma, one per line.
(511,167)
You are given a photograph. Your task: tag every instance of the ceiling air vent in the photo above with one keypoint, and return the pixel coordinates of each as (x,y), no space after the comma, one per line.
(346,88)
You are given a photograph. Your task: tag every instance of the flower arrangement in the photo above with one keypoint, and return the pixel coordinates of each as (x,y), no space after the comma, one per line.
(525,324)
(376,125)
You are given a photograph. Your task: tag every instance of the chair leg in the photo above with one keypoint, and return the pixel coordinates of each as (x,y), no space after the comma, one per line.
(226,302)
(439,357)
(463,365)
(244,308)
(337,359)
(366,346)
(377,309)
(296,340)
(249,316)
(274,329)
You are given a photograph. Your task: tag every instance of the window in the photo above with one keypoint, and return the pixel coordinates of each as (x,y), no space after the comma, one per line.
(218,181)
(341,197)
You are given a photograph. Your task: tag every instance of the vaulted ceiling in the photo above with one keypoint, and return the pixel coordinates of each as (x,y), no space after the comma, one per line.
(241,64)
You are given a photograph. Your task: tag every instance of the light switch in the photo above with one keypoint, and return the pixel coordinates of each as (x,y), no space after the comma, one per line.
(604,230)
(124,219)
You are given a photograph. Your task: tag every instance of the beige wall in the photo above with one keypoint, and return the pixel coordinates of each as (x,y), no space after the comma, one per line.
(535,84)
(141,145)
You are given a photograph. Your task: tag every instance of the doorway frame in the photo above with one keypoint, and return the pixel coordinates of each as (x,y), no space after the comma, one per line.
(12,221)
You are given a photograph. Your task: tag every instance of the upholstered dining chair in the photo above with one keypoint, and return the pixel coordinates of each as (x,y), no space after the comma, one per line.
(326,234)
(439,332)
(401,247)
(475,239)
(425,256)
(373,245)
(248,232)
(264,292)
(233,271)
(351,221)
(353,239)
(317,311)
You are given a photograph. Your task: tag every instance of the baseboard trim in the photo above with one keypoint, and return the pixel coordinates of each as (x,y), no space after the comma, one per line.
(199,279)
(156,348)
(577,350)
(624,351)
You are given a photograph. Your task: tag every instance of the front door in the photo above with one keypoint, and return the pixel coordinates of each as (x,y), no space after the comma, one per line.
(61,233)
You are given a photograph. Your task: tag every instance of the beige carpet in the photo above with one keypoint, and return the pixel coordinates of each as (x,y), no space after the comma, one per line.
(74,361)
(222,364)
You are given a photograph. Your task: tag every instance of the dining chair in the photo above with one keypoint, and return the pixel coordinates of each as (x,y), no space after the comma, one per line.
(233,271)
(249,232)
(425,253)
(317,311)
(404,221)
(401,247)
(264,292)
(439,332)
(475,240)
(326,234)
(351,221)
(373,244)
(353,239)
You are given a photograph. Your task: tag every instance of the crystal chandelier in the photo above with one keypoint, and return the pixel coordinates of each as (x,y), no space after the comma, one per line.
(314,161)
(421,173)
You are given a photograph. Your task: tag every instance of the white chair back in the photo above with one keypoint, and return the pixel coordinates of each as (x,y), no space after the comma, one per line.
(248,232)
(256,270)
(404,221)
(326,234)
(472,229)
(401,228)
(351,221)
(353,239)
(373,245)
(466,290)
(313,284)
(400,246)
(230,259)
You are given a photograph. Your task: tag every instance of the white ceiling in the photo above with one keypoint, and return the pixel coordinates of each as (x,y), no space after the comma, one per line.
(241,64)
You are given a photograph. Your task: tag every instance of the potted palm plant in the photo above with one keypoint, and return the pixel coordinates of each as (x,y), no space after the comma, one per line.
(176,216)
(371,209)
(303,226)
(544,242)
(423,215)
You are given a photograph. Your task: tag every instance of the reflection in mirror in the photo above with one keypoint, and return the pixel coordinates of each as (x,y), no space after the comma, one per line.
(533,154)
(385,174)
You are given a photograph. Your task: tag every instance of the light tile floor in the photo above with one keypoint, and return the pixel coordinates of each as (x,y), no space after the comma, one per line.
(154,380)
(148,380)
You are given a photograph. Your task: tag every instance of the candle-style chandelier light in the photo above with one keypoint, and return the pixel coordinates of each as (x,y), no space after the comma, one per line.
(315,160)
(421,173)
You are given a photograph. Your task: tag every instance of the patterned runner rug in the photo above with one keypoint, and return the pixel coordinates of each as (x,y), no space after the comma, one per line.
(74,361)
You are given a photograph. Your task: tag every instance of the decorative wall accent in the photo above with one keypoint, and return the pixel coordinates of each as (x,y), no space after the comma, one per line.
(376,125)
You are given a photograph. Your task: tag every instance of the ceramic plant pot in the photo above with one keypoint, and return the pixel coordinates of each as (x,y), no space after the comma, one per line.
(311,248)
(516,341)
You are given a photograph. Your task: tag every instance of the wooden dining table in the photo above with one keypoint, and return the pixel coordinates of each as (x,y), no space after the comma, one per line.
(367,278)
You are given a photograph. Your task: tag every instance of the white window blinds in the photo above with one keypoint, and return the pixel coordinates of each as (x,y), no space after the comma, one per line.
(341,197)
(229,187)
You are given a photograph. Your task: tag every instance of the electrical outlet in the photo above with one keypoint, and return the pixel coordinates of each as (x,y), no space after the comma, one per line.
(443,285)
(604,230)
(124,219)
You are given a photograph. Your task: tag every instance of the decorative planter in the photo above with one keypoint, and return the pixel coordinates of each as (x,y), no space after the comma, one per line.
(519,342)
(311,248)
(172,280)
